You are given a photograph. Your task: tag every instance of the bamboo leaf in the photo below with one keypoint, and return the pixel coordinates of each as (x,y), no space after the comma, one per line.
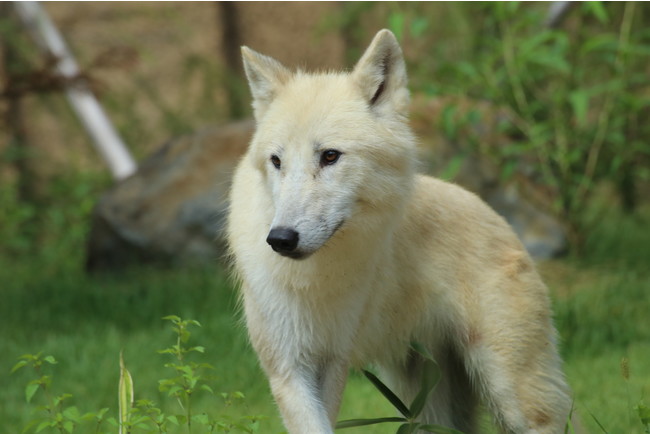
(430,377)
(439,429)
(421,350)
(350,423)
(397,403)
(407,428)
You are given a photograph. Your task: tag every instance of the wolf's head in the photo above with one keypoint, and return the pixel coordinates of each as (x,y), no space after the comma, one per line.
(334,149)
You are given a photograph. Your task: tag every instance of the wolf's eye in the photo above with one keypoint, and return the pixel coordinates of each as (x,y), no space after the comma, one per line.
(329,157)
(276,161)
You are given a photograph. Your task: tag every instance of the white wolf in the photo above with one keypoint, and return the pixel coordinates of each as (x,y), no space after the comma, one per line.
(346,256)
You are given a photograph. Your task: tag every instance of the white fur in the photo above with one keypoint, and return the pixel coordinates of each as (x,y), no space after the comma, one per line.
(387,257)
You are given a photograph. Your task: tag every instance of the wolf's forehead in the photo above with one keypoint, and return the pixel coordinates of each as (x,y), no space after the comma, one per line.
(325,94)
(312,103)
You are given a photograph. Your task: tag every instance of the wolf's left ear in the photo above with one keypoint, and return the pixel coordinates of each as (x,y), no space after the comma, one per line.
(381,74)
(265,77)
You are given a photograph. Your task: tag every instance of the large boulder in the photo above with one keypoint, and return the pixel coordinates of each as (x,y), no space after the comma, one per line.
(173,209)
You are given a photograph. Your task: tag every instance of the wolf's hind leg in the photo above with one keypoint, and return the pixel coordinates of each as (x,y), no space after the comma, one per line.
(521,382)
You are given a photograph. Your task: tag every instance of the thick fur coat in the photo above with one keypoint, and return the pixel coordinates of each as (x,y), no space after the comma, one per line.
(346,255)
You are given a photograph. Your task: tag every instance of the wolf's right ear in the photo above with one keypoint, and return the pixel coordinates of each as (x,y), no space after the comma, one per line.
(265,76)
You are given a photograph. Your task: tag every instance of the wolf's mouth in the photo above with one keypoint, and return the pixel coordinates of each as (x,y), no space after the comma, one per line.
(295,255)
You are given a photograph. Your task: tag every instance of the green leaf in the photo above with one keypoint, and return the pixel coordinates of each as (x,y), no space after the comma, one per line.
(72,413)
(30,390)
(438,429)
(59,399)
(207,388)
(643,412)
(50,359)
(452,168)
(449,127)
(421,350)
(597,9)
(44,424)
(508,169)
(551,62)
(68,426)
(392,398)
(19,365)
(430,377)
(350,423)
(407,428)
(579,100)
(203,419)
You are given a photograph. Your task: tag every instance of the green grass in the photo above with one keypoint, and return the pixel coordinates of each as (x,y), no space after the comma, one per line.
(85,321)
(49,304)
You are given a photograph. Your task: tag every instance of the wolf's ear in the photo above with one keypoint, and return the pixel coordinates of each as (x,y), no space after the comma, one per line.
(381,74)
(265,76)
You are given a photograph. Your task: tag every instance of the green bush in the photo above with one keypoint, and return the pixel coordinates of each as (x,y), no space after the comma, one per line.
(570,102)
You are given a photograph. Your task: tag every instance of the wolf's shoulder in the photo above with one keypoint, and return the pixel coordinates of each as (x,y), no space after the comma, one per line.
(435,192)
(440,205)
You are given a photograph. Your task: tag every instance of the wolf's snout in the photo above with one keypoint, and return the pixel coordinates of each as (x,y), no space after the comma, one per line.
(283,240)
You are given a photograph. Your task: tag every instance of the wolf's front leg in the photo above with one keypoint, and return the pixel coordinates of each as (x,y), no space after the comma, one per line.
(333,376)
(309,395)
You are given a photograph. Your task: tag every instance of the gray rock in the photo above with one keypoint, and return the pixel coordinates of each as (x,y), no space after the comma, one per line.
(173,209)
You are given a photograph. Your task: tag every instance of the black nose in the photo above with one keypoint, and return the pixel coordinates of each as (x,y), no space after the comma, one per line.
(283,240)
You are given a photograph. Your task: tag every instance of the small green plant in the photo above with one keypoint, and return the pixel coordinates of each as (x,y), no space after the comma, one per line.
(53,413)
(408,421)
(643,412)
(142,415)
(189,376)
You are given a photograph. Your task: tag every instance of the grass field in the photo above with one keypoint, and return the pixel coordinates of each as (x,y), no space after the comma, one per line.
(49,304)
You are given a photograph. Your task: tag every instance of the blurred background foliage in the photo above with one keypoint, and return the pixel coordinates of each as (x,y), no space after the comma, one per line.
(569,99)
